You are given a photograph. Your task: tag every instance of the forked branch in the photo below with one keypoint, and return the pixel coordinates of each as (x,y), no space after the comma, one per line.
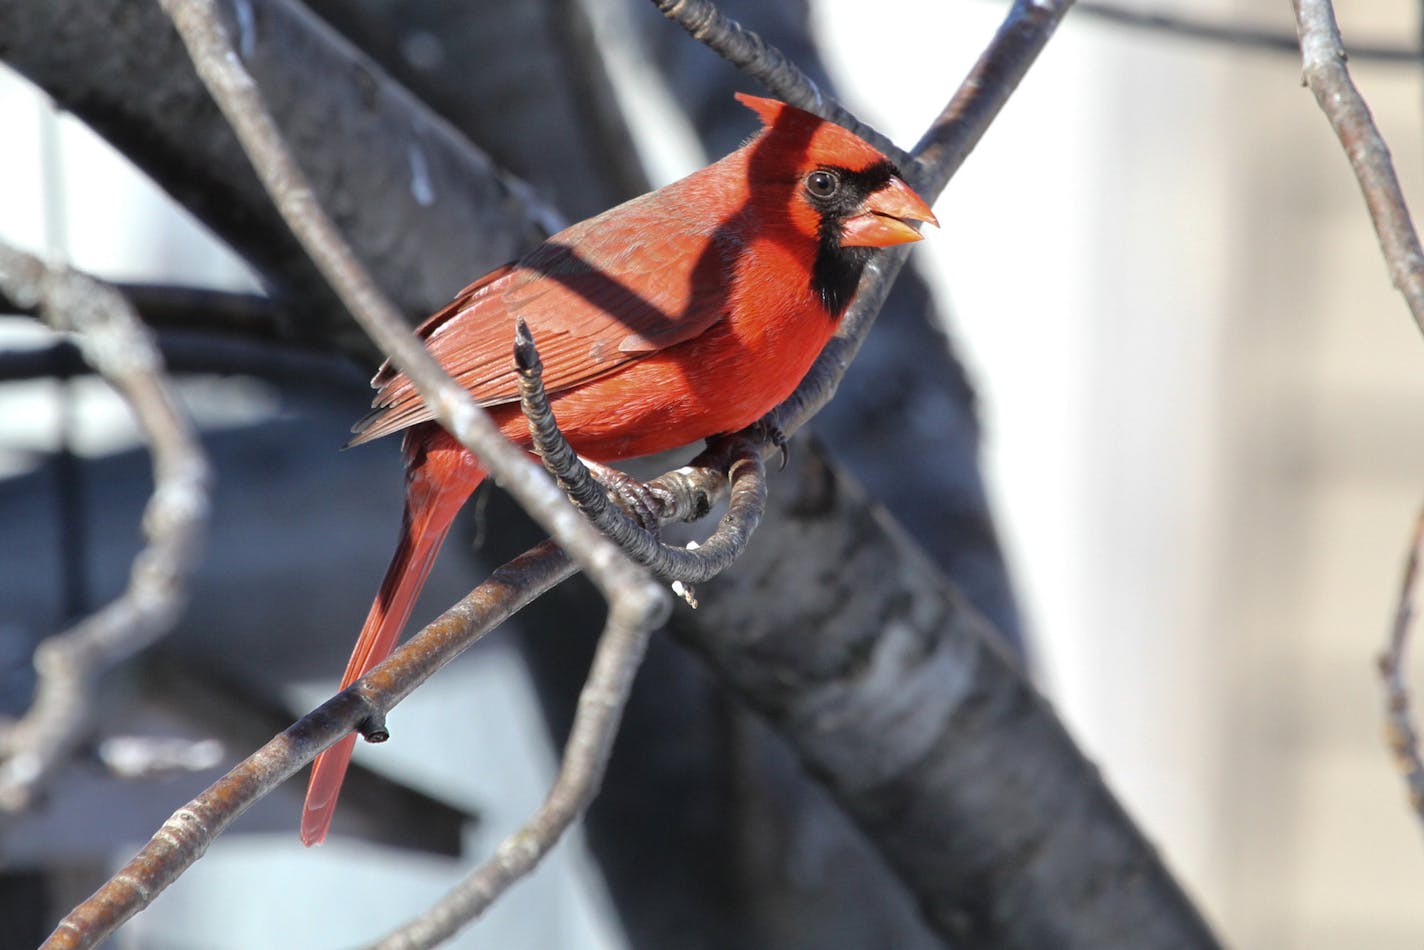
(1323,55)
(116,344)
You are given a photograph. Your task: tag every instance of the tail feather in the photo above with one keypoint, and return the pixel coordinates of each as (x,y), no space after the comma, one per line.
(437,485)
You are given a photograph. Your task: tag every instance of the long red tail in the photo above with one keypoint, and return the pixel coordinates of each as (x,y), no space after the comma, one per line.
(440,477)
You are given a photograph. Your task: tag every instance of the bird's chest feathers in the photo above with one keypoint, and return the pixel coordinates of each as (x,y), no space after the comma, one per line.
(773,331)
(722,380)
(773,305)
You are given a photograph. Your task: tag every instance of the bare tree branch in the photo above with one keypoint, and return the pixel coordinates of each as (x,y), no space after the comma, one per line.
(1235,34)
(113,341)
(600,707)
(1400,730)
(1323,56)
(927,732)
(765,63)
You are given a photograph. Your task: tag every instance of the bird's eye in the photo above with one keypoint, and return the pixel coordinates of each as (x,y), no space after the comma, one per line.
(822,184)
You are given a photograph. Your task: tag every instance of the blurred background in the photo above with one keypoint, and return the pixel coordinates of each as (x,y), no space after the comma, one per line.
(1199,397)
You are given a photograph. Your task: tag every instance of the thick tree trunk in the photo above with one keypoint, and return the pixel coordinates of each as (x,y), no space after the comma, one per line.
(398,180)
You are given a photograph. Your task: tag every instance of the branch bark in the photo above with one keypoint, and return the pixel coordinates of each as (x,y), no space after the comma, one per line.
(1191,27)
(902,700)
(185,837)
(1323,57)
(600,708)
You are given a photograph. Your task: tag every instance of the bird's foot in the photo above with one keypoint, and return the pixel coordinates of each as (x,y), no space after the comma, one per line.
(769,432)
(634,497)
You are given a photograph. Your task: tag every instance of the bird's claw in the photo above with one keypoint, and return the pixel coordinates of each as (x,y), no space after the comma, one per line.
(770,432)
(634,497)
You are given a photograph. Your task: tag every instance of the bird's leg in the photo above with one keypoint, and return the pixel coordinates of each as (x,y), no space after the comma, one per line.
(736,455)
(575,475)
(548,442)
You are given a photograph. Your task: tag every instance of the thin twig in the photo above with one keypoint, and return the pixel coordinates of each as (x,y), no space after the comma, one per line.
(115,343)
(769,66)
(1400,731)
(1182,26)
(992,79)
(600,708)
(1323,56)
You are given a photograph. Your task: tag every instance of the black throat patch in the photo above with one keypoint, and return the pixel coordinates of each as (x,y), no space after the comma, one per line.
(836,272)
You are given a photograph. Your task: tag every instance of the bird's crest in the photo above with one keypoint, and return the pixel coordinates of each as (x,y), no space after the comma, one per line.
(825,141)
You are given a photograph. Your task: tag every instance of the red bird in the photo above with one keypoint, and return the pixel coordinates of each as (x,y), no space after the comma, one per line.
(688,312)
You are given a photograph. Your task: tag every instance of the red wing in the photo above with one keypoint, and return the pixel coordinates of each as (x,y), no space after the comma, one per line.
(606,291)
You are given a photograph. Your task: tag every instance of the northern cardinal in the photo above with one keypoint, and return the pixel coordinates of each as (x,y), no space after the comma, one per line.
(688,312)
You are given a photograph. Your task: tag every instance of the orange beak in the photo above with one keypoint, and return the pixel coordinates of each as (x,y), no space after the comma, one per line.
(886,217)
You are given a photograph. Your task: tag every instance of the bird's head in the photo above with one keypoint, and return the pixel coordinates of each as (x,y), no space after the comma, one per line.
(843,192)
(846,186)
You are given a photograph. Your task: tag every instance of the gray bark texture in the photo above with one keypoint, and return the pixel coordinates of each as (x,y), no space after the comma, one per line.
(389,167)
(902,700)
